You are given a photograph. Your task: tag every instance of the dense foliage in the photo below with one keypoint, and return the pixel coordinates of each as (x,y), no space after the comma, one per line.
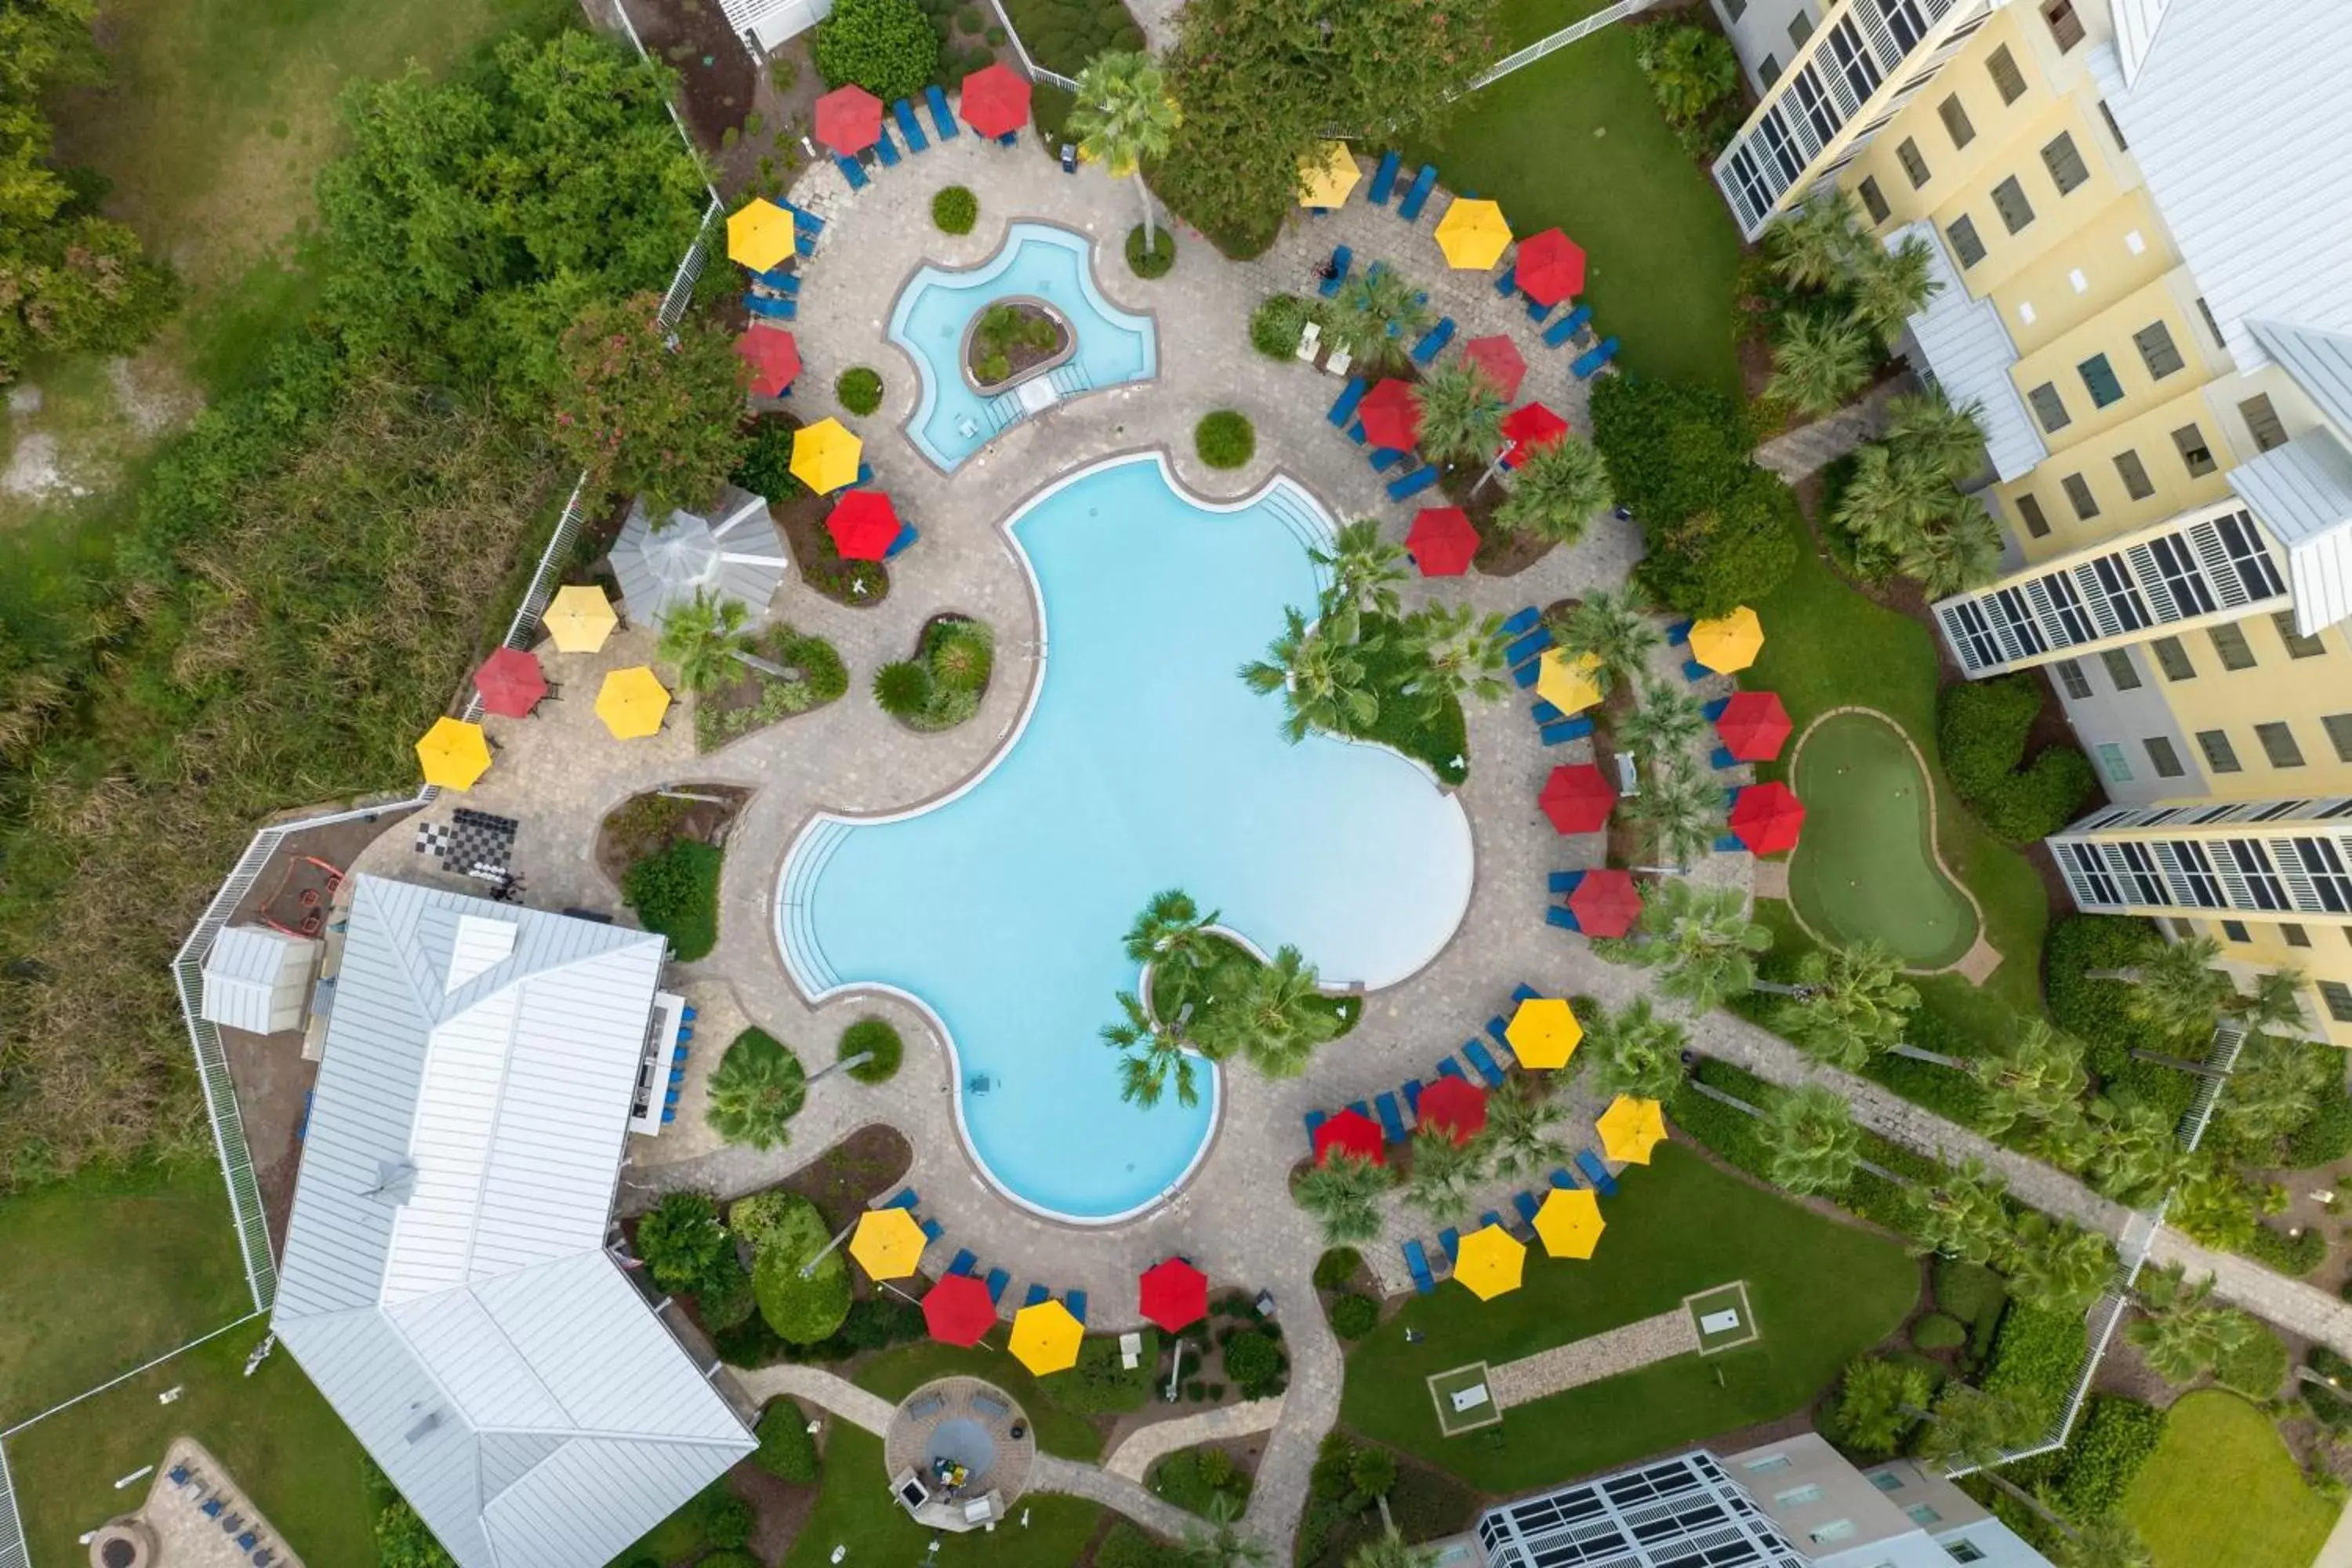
(1719,530)
(786,1449)
(1981,726)
(401,1540)
(647,409)
(758,1089)
(1354,1315)
(802,1309)
(876,1039)
(2035,1359)
(1277,324)
(859,388)
(676,892)
(1067,34)
(886,47)
(1102,1383)
(942,686)
(1225,439)
(1695,76)
(955,209)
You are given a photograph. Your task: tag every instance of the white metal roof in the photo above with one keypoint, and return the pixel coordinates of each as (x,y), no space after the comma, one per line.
(738,556)
(2302,494)
(2136,22)
(2320,362)
(1969,352)
(257,979)
(773,21)
(443,1281)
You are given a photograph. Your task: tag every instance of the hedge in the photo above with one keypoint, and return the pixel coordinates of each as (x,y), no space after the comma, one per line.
(1719,530)
(2258,1368)
(786,1449)
(2110,1443)
(2036,1357)
(1938,1331)
(2096,1011)
(1981,726)
(2325,1138)
(675,894)
(2293,1255)
(803,1310)
(886,47)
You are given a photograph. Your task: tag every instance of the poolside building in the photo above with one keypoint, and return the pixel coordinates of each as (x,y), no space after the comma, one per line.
(445,1281)
(2139,212)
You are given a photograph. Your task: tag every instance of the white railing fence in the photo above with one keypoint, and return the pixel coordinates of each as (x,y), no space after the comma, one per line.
(14,1553)
(1029,65)
(1583,28)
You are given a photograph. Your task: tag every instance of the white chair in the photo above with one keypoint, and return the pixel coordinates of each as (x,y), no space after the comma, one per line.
(1310,340)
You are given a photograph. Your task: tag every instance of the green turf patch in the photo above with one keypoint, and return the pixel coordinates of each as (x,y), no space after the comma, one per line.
(2216,1446)
(1732,1299)
(1443,1386)
(1866,866)
(856,1511)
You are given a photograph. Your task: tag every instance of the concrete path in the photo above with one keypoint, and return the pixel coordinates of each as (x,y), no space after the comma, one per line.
(1807,449)
(2337,1550)
(815,1385)
(1592,1358)
(1116,1492)
(1146,1445)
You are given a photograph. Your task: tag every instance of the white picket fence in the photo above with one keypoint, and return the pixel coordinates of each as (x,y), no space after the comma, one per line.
(1555,42)
(1029,61)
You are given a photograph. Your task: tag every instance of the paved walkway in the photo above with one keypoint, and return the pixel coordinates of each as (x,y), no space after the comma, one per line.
(1146,1446)
(1592,1358)
(1809,449)
(815,1385)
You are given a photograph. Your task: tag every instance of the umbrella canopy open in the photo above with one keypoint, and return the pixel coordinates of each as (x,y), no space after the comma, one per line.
(1472,235)
(1391,416)
(1606,903)
(864,526)
(774,356)
(453,753)
(826,455)
(1767,818)
(1570,1222)
(1753,726)
(995,100)
(1352,1130)
(1728,642)
(1544,1033)
(1577,798)
(510,682)
(1045,1337)
(1492,1262)
(1454,1106)
(958,1311)
(759,235)
(1531,427)
(888,1243)
(1442,541)
(1173,1294)
(849,118)
(1567,683)
(1327,174)
(632,703)
(579,618)
(1551,266)
(1499,360)
(1630,1129)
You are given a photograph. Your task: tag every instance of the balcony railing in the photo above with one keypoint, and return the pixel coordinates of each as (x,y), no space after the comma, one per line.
(2214,860)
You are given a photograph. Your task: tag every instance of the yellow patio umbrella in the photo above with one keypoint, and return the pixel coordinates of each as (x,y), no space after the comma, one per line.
(1490,1262)
(1327,174)
(824,455)
(888,1243)
(1570,1222)
(1729,643)
(1472,235)
(580,618)
(760,234)
(1568,684)
(1544,1032)
(1630,1129)
(632,703)
(453,753)
(1045,1337)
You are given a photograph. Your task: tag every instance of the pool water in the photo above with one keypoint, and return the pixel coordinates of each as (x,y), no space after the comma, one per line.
(1143,763)
(952,421)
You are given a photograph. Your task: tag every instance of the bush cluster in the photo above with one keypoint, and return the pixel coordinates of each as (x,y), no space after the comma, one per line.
(2331,1406)
(955,209)
(1255,1362)
(821,677)
(886,47)
(1154,260)
(878,1036)
(1719,530)
(1225,439)
(942,684)
(786,1449)
(1101,1385)
(1277,324)
(1975,1295)
(1938,1331)
(2293,1255)
(2035,1358)
(2258,1368)
(688,1252)
(2325,1138)
(675,893)
(1354,1315)
(859,389)
(1064,35)
(1981,727)
(1338,1267)
(789,1232)
(766,466)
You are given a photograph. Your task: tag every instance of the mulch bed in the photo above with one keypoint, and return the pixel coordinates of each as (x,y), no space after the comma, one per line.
(650,823)
(848,1175)
(716,77)
(1022,357)
(801,518)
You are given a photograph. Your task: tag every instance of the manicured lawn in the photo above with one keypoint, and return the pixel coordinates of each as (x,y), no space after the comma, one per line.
(856,1511)
(1822,1293)
(1866,866)
(896,1374)
(2219,1446)
(1576,140)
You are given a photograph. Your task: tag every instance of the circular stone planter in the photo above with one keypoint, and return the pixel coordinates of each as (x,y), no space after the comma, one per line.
(123,1543)
(1052,362)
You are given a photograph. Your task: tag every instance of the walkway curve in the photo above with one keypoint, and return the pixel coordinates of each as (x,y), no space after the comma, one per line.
(1146,1445)
(818,1388)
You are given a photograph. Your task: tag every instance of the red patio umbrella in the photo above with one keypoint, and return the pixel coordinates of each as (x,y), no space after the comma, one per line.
(1455,1105)
(773,356)
(1767,818)
(1499,358)
(1577,798)
(510,682)
(1551,266)
(849,118)
(1391,416)
(958,1311)
(995,100)
(863,525)
(1352,1130)
(1442,541)
(1531,427)
(1172,1294)
(1606,903)
(1754,726)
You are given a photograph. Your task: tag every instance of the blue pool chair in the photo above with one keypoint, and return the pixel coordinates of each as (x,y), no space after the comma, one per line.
(1412,1092)
(1730,844)
(904,1198)
(1593,358)
(1417,197)
(1522,621)
(1721,757)
(1559,332)
(1385,458)
(670,1114)
(1567,730)
(1010,138)
(907,534)
(909,127)
(885,150)
(1343,258)
(1561,915)
(1499,1031)
(1678,633)
(1491,1217)
(1538,310)
(1384,179)
(1562,1180)
(777,278)
(1525,1202)
(1344,409)
(932,1229)
(1416,1263)
(1562,883)
(1545,713)
(1414,483)
(1433,341)
(1450,1239)
(943,119)
(1596,1173)
(1315,1120)
(1509,281)
(1523,991)
(1361,1108)
(963,1262)
(1075,1300)
(1527,647)
(1449,1068)
(1524,676)
(1391,1118)
(1715,710)
(998,1279)
(1484,1060)
(1037,1294)
(768,309)
(852,171)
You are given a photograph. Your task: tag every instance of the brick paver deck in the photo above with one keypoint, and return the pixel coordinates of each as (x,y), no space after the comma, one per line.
(1592,1358)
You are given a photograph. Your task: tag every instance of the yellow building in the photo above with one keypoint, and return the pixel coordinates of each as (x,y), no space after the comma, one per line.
(2140,214)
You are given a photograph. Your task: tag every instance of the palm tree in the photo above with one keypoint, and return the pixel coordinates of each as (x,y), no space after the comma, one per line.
(759,1087)
(1679,813)
(2175,991)
(1891,287)
(1443,1181)
(2181,1334)
(1123,119)
(1819,245)
(2107,1542)
(1925,427)
(1665,719)
(1461,414)
(1516,1140)
(1376,316)
(1973,1429)
(2272,1086)
(1958,550)
(1962,1215)
(1154,1053)
(1277,1018)
(2212,1204)
(1465,654)
(1608,627)
(1889,503)
(1343,1193)
(1365,568)
(1854,1002)
(1221,1546)
(2058,1267)
(2135,1151)
(1632,1051)
(1556,492)
(1173,935)
(1811,1140)
(1391,1549)
(1819,361)
(2033,1074)
(1880,1401)
(705,640)
(1698,937)
(1321,678)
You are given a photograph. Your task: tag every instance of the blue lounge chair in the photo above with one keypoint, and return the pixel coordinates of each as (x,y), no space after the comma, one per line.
(1356,432)
(1413,1096)
(885,150)
(1715,710)
(1524,676)
(904,1198)
(212,1506)
(1384,458)
(1343,258)
(1451,1240)
(1433,340)
(1499,1032)
(1678,634)
(249,1541)
(1522,621)
(1593,358)
(1414,483)
(943,118)
(1562,883)
(963,1262)
(1562,1180)
(932,1231)
(1538,310)
(1037,1294)
(1344,408)
(1694,670)
(1384,179)
(1527,1205)
(1075,1300)
(1730,844)
(1527,647)
(1509,281)
(1523,991)
(1731,797)
(1561,915)
(1559,332)
(1011,138)
(907,534)
(179,1474)
(1567,730)
(777,278)
(852,171)
(670,1114)
(768,309)
(865,477)
(1416,1263)
(1449,1068)
(1545,713)
(998,1279)
(1361,1108)
(1484,1060)
(909,127)
(1417,197)
(1391,1118)
(1491,1217)
(1721,757)
(1315,1120)
(1596,1173)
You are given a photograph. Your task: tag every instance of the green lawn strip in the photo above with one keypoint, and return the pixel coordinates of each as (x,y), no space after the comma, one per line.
(1177,1477)
(1865,868)
(284,1445)
(2217,1446)
(1822,1293)
(894,1375)
(856,1509)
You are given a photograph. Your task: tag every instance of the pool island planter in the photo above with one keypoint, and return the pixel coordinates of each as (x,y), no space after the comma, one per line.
(1031,307)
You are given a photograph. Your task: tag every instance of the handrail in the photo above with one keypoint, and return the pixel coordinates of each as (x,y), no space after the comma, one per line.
(1029,61)
(1553,43)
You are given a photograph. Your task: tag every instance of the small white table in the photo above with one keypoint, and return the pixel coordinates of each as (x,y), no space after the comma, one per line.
(1721,1322)
(1469,1398)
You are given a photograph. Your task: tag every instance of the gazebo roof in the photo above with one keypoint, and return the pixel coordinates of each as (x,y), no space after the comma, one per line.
(733,553)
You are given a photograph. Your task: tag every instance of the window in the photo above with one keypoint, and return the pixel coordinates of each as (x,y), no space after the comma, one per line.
(2030,509)
(1887,1482)
(2297,645)
(1923,1515)
(2163,757)
(2156,350)
(2007,80)
(2279,744)
(2112,763)
(2120,668)
(2137,484)
(2231,645)
(2066,30)
(2205,313)
(2067,170)
(2262,422)
(2220,755)
(1735,9)
(2339,997)
(2235,930)
(2099,380)
(1962,232)
(1874,200)
(2114,129)
(1797,1497)
(1954,116)
(2049,407)
(2009,200)
(1915,166)
(1801,27)
(2339,734)
(1769,1462)
(2190,441)
(1835,1530)
(1961,1547)
(1769,71)
(2172,657)
(2295,935)
(2070,677)
(2078,491)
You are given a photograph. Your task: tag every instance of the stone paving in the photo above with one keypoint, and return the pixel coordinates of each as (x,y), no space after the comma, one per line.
(1146,1446)
(1809,449)
(1592,1358)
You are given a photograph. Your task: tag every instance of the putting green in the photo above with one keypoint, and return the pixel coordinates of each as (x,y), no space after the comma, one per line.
(1866,866)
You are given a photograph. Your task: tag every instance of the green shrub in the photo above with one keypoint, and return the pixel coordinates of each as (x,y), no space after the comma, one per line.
(683,1246)
(801,1311)
(1337,1267)
(970,19)
(2112,1440)
(675,893)
(2295,1255)
(819,678)
(1353,1316)
(886,47)
(1975,1295)
(1938,1331)
(995,37)
(2331,1406)
(1124,1546)
(955,210)
(1373,1472)
(902,689)
(877,1037)
(1225,439)
(1981,726)
(726,1300)
(766,466)
(2257,1369)
(1101,1385)
(2325,1137)
(1277,324)
(859,388)
(2035,1359)
(1719,530)
(726,1522)
(1253,1360)
(786,1449)
(1155,261)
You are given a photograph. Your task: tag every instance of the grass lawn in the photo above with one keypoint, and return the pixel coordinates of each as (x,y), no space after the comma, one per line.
(895,1374)
(856,1511)
(1576,140)
(1865,867)
(1822,1294)
(2216,1446)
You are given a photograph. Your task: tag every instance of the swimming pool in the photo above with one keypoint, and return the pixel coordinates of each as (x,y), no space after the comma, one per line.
(1143,763)
(952,421)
